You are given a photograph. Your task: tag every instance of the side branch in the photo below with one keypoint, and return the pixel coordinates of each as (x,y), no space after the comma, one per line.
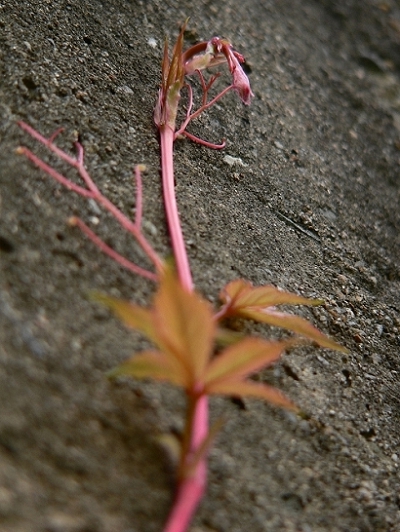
(120,259)
(92,192)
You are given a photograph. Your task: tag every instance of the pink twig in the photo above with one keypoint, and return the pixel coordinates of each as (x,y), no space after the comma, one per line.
(189,110)
(203,142)
(110,252)
(48,142)
(206,86)
(139,195)
(211,102)
(54,135)
(92,191)
(131,228)
(192,485)
(189,117)
(54,174)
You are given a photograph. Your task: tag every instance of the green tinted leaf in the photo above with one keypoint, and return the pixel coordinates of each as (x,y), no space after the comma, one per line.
(239,388)
(225,337)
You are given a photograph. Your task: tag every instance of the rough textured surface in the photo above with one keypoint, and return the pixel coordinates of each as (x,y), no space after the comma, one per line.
(314,209)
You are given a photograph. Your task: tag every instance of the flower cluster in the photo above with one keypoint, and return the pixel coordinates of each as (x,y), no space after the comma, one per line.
(206,54)
(214,52)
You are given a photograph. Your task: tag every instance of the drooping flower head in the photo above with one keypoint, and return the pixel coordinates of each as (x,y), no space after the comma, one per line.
(215,52)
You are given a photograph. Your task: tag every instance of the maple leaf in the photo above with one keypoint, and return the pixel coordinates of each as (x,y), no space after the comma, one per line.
(182,326)
(241,299)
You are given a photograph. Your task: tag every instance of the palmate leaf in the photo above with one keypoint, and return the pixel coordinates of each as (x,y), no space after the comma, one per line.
(292,323)
(243,300)
(180,324)
(185,325)
(226,374)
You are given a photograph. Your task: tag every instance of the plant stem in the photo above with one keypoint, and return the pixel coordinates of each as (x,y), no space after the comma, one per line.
(171,208)
(117,257)
(192,483)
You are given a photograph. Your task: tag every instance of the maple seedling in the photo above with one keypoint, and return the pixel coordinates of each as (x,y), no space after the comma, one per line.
(187,333)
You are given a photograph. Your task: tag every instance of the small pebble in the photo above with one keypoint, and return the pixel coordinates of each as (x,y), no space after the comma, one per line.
(228,159)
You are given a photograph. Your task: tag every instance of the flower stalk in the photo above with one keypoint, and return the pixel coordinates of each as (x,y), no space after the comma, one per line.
(171,207)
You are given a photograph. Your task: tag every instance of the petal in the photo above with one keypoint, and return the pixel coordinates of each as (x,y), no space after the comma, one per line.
(241,82)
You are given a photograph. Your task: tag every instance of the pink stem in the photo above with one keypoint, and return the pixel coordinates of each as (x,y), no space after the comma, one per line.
(110,252)
(139,196)
(193,479)
(93,192)
(174,225)
(191,488)
(203,142)
(211,102)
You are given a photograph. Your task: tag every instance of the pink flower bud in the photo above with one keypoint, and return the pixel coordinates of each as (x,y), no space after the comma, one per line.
(241,82)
